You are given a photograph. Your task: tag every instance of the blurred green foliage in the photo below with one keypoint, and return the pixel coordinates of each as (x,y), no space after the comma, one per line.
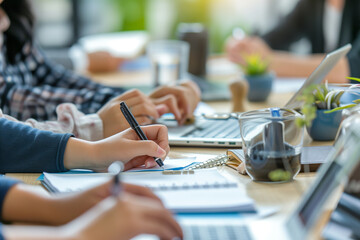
(134,16)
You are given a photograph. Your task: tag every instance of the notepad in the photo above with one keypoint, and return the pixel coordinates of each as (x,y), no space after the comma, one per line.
(204,191)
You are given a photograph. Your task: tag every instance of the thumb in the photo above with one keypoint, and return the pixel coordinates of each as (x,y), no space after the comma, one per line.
(162,109)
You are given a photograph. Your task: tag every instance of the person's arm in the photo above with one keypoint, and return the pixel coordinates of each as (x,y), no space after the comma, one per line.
(22,204)
(25,149)
(291,28)
(286,64)
(113,218)
(290,65)
(121,218)
(71,120)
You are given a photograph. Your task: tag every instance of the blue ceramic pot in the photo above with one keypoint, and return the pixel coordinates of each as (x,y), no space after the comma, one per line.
(325,126)
(259,86)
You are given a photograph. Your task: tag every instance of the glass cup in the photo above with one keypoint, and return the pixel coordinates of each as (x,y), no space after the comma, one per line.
(169,61)
(272,144)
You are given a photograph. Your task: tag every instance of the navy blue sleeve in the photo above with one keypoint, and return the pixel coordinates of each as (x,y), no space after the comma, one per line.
(5,185)
(26,149)
(1,236)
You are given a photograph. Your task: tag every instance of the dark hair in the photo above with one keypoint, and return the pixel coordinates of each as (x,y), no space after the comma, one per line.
(21,26)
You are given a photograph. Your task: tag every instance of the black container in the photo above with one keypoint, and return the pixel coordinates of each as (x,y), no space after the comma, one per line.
(197,37)
(260,164)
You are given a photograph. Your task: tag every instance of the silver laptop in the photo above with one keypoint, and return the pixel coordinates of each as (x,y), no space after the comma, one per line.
(341,161)
(224,131)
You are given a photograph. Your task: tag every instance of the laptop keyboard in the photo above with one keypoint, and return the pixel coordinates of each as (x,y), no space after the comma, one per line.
(216,129)
(215,232)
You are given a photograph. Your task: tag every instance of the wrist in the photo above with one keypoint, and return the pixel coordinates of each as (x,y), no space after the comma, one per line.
(80,154)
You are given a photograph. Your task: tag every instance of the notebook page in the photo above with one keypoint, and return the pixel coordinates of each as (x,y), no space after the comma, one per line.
(155,180)
(206,200)
(204,191)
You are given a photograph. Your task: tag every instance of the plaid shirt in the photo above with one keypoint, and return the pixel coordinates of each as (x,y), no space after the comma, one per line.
(34,86)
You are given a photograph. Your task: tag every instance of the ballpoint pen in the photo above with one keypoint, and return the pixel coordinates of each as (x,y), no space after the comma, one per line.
(116,168)
(136,127)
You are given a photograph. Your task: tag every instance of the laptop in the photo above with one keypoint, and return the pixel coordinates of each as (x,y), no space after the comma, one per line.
(334,173)
(224,131)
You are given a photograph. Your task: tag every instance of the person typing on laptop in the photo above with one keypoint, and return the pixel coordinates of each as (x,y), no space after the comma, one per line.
(327,24)
(31,86)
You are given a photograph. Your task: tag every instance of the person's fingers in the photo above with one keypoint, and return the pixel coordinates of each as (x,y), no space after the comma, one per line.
(141,191)
(148,148)
(165,218)
(127,95)
(145,110)
(135,162)
(171,102)
(180,95)
(159,134)
(162,109)
(149,226)
(138,99)
(144,120)
(148,161)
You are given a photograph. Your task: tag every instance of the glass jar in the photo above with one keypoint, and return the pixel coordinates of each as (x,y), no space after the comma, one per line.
(272,144)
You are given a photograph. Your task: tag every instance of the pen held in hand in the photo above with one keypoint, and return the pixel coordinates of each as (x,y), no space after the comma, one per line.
(136,127)
(116,168)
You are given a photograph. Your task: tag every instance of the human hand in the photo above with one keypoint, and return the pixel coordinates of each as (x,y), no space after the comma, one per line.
(180,100)
(237,50)
(141,106)
(125,218)
(98,193)
(128,148)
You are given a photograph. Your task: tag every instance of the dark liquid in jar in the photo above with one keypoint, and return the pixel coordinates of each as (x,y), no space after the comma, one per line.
(259,163)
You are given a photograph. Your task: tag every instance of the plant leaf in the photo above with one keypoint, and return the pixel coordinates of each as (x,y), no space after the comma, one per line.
(340,108)
(355,79)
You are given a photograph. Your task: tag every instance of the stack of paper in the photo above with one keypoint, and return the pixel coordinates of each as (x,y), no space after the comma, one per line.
(204,191)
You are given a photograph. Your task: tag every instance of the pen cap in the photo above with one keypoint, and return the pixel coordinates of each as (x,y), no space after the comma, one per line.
(273,136)
(116,167)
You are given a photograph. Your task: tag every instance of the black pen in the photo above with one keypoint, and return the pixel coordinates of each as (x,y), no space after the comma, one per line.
(134,125)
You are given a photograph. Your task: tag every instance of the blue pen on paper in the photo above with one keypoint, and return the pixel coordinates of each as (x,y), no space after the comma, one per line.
(116,168)
(136,127)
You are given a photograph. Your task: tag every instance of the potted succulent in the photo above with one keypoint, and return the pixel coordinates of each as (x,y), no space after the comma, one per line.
(260,80)
(323,111)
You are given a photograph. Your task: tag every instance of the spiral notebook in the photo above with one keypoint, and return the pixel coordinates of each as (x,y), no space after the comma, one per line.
(203,191)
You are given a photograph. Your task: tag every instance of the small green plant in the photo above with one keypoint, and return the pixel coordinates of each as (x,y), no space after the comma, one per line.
(320,97)
(255,65)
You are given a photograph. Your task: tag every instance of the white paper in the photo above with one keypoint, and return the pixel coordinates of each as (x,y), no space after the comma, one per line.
(204,191)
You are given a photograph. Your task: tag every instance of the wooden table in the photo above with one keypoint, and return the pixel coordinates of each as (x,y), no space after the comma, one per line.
(282,195)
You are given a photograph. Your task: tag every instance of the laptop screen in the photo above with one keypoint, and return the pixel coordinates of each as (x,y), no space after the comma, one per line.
(341,161)
(319,193)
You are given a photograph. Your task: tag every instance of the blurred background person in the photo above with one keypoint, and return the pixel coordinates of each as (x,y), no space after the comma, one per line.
(326,24)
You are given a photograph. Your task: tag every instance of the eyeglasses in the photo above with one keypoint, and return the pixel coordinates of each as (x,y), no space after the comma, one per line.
(220,116)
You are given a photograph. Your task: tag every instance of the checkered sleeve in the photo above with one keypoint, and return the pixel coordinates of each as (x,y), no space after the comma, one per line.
(23,102)
(47,85)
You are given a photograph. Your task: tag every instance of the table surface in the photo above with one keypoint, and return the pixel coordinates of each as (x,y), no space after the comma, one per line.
(282,195)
